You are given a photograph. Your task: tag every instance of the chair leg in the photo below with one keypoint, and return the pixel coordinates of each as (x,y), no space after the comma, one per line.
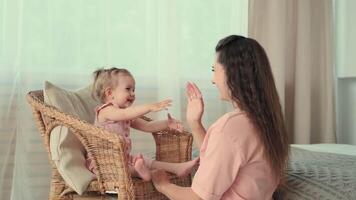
(57,186)
(56,190)
(67,197)
(93,197)
(55,194)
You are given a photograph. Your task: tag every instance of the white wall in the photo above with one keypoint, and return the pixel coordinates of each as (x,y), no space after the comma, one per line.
(346,110)
(346,70)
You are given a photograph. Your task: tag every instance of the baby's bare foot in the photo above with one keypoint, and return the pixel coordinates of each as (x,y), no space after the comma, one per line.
(142,170)
(185,168)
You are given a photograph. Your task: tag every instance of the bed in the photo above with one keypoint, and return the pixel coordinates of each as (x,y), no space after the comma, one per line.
(320,171)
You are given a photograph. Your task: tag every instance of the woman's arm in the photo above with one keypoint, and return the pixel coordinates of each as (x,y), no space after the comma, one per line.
(118,114)
(176,192)
(195,110)
(198,132)
(172,191)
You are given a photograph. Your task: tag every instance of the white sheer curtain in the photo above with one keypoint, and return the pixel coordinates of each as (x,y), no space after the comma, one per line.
(163,43)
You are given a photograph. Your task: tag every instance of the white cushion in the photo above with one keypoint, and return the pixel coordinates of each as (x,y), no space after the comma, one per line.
(67,152)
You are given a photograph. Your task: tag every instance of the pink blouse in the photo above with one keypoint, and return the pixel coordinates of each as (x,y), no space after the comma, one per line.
(232,162)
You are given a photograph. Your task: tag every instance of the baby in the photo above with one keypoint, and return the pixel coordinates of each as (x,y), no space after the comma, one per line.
(115,88)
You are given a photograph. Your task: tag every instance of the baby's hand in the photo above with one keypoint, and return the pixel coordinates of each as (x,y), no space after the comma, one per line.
(155,107)
(174,124)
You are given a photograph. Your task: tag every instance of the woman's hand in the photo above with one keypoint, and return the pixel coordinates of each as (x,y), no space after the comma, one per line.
(161,182)
(155,107)
(174,124)
(195,107)
(160,179)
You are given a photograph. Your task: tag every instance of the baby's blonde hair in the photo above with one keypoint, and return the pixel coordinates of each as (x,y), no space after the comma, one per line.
(105,78)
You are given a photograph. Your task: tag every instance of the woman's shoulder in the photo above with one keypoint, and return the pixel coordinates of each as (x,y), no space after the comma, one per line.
(231,118)
(236,125)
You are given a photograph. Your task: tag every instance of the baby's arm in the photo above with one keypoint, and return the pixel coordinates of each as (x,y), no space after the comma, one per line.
(155,126)
(118,114)
(151,127)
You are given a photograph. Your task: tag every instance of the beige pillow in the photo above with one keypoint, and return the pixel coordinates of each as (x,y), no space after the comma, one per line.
(66,150)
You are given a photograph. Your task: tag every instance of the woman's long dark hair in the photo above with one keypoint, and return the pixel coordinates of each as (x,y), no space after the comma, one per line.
(252,87)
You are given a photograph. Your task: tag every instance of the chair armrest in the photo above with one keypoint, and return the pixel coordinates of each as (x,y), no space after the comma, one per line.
(172,146)
(107,150)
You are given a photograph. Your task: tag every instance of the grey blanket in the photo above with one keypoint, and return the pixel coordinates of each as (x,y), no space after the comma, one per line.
(316,175)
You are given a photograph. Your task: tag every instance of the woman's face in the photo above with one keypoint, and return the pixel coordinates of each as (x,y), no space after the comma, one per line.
(219,79)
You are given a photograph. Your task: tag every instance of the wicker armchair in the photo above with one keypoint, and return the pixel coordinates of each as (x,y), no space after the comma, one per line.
(107,151)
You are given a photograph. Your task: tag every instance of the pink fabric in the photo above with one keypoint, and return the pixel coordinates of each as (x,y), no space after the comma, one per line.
(121,128)
(232,165)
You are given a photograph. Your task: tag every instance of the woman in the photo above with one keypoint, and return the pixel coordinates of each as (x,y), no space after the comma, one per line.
(244,153)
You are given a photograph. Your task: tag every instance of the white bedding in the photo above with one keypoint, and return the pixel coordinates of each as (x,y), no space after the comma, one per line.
(345,149)
(320,171)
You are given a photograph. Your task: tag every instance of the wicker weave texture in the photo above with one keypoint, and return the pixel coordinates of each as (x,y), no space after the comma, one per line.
(107,151)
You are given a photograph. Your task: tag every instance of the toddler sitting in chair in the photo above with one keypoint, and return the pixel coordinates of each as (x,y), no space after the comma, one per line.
(115,88)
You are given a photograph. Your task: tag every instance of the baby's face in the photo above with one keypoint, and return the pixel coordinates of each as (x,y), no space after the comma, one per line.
(124,93)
